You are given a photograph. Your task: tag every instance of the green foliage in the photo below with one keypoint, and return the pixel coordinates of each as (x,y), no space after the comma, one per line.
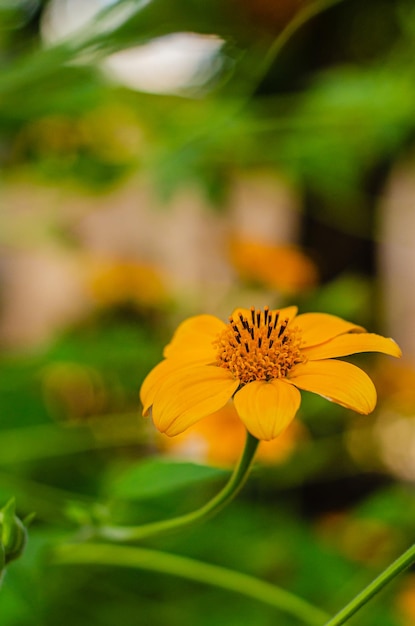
(158,477)
(329,136)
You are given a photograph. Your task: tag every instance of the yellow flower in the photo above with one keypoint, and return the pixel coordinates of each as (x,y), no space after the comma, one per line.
(260,359)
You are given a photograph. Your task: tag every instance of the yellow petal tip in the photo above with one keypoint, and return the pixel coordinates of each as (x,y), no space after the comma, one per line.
(398,351)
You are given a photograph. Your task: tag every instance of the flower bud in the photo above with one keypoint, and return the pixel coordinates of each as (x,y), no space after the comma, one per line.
(13,534)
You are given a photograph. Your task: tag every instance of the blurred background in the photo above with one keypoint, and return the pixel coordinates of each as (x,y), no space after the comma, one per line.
(160,160)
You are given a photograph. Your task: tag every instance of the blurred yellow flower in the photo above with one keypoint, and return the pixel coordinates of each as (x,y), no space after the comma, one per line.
(112,282)
(260,359)
(219,438)
(284,268)
(109,132)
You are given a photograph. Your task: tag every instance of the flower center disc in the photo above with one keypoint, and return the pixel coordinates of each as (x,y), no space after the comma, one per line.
(258,348)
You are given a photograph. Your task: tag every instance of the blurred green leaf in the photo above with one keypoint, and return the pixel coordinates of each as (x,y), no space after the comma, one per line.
(348,296)
(394,505)
(156,477)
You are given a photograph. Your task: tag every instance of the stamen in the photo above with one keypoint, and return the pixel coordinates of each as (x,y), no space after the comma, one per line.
(282,328)
(266,311)
(257,347)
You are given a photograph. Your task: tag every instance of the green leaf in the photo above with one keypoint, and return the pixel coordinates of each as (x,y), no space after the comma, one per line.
(155,477)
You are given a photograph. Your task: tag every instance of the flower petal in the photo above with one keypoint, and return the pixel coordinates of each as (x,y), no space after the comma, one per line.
(351,343)
(287,313)
(338,381)
(193,339)
(155,379)
(266,408)
(316,328)
(190,394)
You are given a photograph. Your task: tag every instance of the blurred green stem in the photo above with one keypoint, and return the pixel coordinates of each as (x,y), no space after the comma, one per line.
(153,560)
(398,566)
(301,17)
(229,491)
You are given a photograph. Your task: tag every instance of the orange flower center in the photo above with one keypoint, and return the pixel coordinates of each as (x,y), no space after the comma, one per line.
(259,348)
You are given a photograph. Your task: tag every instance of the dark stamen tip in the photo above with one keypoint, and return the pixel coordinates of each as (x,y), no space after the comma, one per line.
(266,311)
(282,328)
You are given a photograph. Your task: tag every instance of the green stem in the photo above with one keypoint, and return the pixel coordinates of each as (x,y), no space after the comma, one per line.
(153,560)
(229,491)
(302,17)
(398,566)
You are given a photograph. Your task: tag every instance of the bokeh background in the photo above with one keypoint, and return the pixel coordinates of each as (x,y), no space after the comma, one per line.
(162,159)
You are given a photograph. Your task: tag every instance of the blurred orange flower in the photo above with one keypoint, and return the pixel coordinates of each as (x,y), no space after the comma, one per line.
(219,438)
(406,601)
(284,268)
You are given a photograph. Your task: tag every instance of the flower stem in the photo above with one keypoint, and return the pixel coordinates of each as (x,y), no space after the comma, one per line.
(184,567)
(398,566)
(229,491)
(301,17)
